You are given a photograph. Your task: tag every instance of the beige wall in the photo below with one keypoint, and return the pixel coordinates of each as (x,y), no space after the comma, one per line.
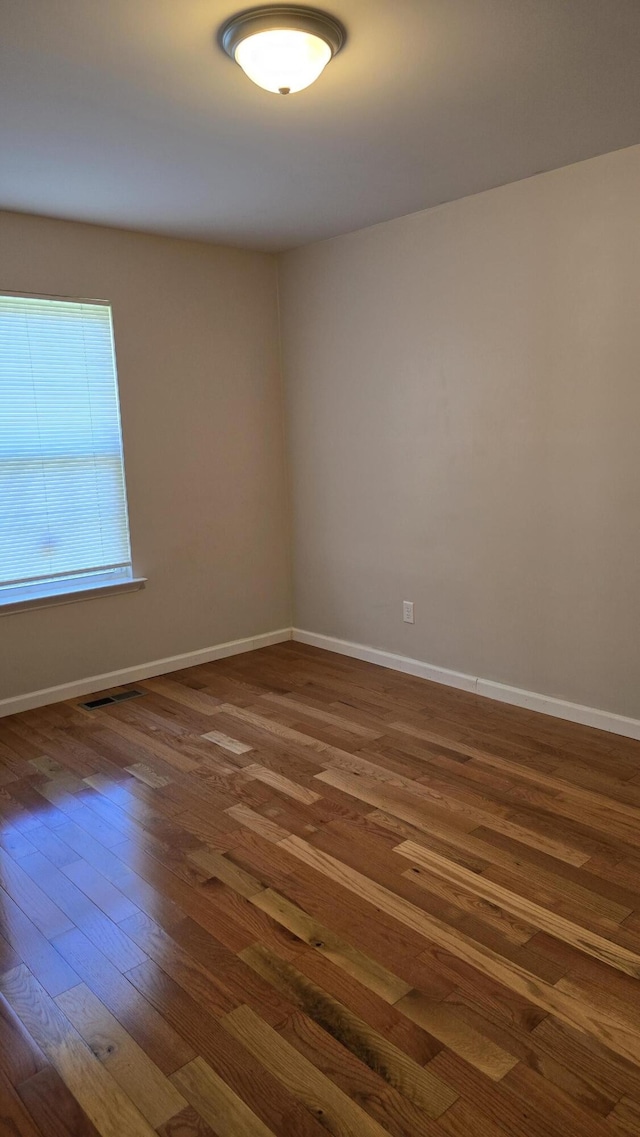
(198,361)
(464,426)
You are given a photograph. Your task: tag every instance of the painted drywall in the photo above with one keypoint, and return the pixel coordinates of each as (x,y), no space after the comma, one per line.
(463,410)
(196,333)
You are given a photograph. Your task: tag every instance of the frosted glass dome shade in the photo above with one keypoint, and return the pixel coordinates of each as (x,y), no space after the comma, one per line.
(283,60)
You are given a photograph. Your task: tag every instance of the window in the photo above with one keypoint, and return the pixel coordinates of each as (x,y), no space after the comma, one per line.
(63,507)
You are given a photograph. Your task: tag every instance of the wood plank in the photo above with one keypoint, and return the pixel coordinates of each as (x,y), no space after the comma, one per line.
(150,1091)
(49,843)
(625,1117)
(42,911)
(323,1099)
(53,1107)
(179,692)
(145,773)
(231,744)
(255,821)
(20,1057)
(83,913)
(472,817)
(187,1123)
(217,1103)
(428,1094)
(279,782)
(585,798)
(362,967)
(394,810)
(381,1101)
(480,911)
(569,1116)
(617,1033)
(163,1045)
(464,1119)
(261,1092)
(15,1121)
(104,1103)
(444,1023)
(46,963)
(101,891)
(218,866)
(581,938)
(149,741)
(298,706)
(202,983)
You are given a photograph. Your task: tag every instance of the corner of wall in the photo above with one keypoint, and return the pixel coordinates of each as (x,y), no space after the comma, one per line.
(285,443)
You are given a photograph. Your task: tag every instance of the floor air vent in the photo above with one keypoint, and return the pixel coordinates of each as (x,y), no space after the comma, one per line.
(93,704)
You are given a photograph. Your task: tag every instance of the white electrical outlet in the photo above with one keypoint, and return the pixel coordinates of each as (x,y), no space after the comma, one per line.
(407,611)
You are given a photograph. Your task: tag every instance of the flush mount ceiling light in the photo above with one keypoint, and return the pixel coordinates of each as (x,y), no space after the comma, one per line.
(282,47)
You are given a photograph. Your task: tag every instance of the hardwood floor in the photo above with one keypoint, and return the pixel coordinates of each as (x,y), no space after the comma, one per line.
(294,894)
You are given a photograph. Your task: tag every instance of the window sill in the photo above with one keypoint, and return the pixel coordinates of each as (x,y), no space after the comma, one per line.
(89,592)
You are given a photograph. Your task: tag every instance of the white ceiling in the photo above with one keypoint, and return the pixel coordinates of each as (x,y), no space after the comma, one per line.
(125,112)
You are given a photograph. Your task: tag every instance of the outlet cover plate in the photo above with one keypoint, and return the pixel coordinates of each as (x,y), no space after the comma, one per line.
(407,611)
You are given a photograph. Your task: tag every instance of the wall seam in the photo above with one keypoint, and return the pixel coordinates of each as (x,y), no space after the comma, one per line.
(288,491)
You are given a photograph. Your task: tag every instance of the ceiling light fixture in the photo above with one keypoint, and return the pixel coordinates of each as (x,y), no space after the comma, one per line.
(282,47)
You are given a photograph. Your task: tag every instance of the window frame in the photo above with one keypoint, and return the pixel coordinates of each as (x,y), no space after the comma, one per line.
(80,584)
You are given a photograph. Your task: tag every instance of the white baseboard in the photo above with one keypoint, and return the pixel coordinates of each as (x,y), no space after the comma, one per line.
(141,671)
(516,696)
(531,700)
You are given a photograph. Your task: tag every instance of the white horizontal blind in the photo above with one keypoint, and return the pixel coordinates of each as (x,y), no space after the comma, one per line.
(63,510)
